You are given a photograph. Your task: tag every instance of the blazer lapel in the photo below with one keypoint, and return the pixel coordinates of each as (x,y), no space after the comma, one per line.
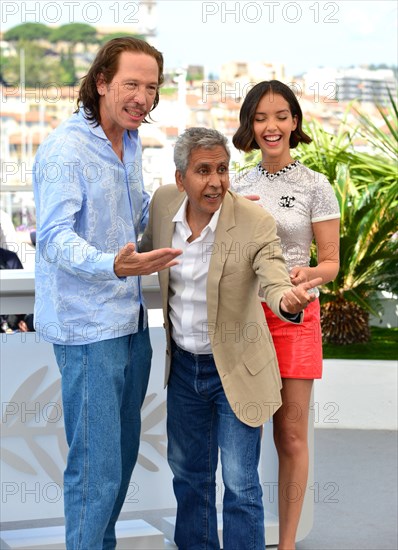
(222,245)
(167,225)
(166,237)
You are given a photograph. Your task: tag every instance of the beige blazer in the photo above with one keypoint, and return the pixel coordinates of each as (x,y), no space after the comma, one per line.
(246,253)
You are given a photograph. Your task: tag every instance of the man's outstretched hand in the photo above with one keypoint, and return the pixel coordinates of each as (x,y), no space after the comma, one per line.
(298,298)
(129,262)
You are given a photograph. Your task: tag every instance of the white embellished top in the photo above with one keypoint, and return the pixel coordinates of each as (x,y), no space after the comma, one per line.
(296,197)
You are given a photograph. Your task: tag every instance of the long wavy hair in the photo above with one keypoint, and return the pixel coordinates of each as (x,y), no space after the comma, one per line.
(106,64)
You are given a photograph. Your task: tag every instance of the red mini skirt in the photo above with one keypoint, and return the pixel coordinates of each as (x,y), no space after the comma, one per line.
(298,347)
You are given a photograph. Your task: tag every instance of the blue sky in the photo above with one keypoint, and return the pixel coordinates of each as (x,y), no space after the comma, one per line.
(301,34)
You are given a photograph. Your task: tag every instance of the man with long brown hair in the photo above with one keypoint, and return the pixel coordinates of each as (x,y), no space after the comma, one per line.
(91,207)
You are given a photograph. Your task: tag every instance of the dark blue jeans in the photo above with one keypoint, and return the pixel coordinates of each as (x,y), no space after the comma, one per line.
(103,387)
(200,421)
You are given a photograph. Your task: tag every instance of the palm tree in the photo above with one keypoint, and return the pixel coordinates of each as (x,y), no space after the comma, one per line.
(366,188)
(368,254)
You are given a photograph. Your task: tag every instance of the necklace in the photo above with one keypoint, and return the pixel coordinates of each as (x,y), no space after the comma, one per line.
(272,175)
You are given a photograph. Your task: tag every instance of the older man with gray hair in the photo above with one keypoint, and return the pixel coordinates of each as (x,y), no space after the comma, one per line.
(221,369)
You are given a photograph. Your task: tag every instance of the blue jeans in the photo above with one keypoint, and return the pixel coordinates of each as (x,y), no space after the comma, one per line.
(199,422)
(103,388)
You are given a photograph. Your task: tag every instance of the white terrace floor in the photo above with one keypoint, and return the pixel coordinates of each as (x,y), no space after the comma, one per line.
(356,464)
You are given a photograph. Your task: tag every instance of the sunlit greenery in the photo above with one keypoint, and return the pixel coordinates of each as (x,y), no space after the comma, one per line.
(28,31)
(366,188)
(29,62)
(74,33)
(383,345)
(49,53)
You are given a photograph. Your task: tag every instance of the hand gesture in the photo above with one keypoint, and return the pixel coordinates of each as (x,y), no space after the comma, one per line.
(299,274)
(298,298)
(252,197)
(129,262)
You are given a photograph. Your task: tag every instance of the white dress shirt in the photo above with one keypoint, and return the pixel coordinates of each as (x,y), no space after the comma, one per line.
(188,282)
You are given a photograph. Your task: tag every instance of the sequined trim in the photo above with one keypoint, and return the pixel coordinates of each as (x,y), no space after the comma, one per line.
(271,176)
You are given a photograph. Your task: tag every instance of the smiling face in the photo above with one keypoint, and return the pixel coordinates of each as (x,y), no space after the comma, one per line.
(205,182)
(128,98)
(273,123)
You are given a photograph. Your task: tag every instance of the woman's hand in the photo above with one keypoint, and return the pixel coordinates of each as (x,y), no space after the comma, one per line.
(252,197)
(299,274)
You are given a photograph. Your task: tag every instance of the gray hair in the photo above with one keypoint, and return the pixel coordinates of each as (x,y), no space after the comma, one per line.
(193,138)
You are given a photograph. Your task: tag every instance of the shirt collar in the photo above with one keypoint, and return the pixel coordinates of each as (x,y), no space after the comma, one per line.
(97,129)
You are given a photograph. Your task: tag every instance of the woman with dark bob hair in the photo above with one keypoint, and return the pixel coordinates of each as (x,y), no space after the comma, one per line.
(244,137)
(305,208)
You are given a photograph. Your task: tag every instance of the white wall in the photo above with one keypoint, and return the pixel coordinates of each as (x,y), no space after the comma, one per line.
(357,394)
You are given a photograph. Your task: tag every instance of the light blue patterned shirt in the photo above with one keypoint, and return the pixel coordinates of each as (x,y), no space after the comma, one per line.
(89,204)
